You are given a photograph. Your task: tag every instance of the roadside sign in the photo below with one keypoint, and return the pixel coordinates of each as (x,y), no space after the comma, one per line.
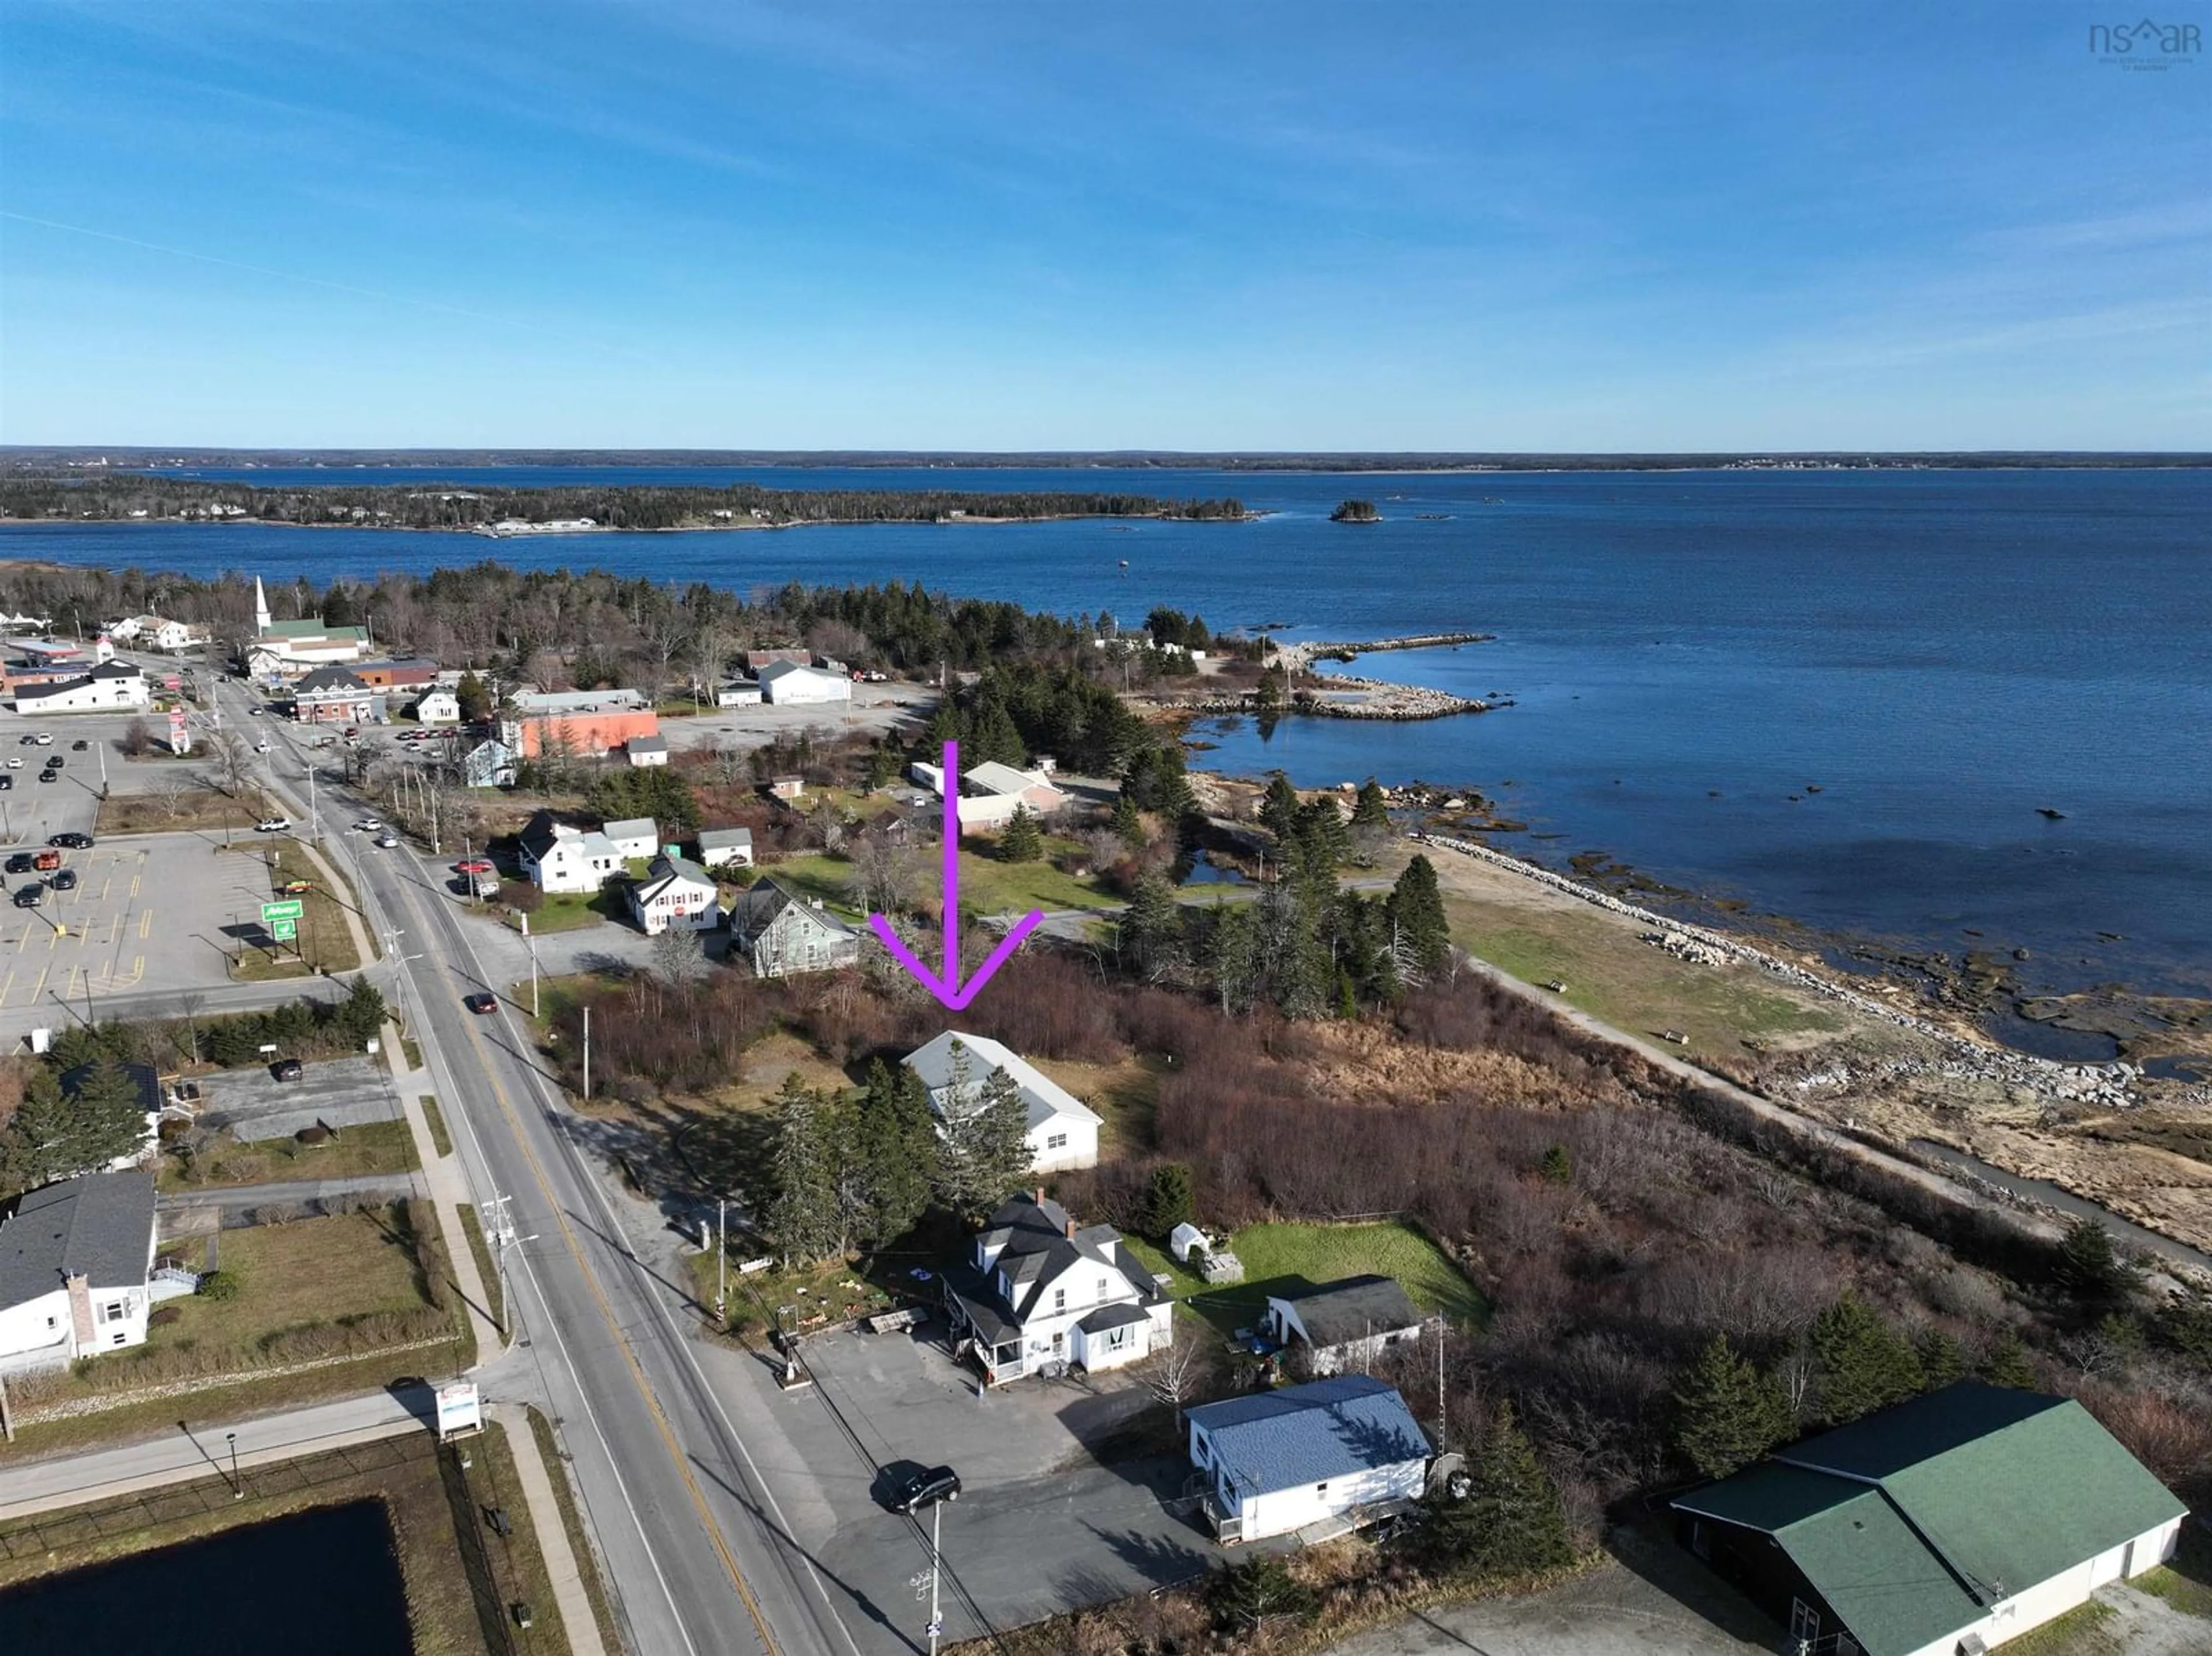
(459,1412)
(287,908)
(284,930)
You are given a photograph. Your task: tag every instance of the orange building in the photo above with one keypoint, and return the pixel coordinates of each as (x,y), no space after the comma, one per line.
(583,723)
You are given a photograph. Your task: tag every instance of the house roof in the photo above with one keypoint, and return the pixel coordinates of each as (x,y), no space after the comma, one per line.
(1304,1435)
(776,671)
(1123,1315)
(632,827)
(538,703)
(723,839)
(329,678)
(1912,1521)
(312,628)
(1042,1098)
(52,687)
(541,834)
(1034,1249)
(648,744)
(666,872)
(1336,1313)
(100,1227)
(770,898)
(116,669)
(992,777)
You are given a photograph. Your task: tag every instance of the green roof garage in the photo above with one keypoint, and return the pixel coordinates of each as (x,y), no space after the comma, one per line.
(1941,1527)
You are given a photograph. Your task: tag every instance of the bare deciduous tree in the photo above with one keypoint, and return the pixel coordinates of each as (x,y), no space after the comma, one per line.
(1173,1371)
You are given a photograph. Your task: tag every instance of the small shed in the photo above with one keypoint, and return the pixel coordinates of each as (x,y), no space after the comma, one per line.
(729,847)
(646,750)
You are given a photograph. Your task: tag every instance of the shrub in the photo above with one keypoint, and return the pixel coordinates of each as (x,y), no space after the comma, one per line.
(162,1315)
(220,1285)
(521,895)
(317,1135)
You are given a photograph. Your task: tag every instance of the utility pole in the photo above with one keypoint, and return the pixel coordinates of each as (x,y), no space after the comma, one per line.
(588,1053)
(1441,1421)
(532,936)
(722,1252)
(936,1570)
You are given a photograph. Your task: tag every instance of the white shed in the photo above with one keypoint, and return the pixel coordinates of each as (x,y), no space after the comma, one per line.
(785,683)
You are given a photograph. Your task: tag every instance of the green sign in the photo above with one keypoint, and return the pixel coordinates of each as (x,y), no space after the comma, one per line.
(291,909)
(284,930)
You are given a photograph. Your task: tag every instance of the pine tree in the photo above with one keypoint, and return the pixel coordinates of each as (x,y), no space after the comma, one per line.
(1369,810)
(474,699)
(1511,1522)
(1727,1413)
(1278,809)
(1942,1359)
(57,1135)
(984,1152)
(2005,1363)
(1167,1201)
(1149,936)
(802,1220)
(1021,841)
(895,1145)
(2092,1269)
(1129,822)
(1417,914)
(1862,1364)
(1556,1167)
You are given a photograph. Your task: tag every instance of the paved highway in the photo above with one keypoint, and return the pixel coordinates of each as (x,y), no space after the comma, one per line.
(695,1550)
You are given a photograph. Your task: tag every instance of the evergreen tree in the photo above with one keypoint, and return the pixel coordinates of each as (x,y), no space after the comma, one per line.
(802,1220)
(994,735)
(2005,1363)
(2092,1269)
(1369,810)
(1728,1414)
(1319,842)
(1149,936)
(1942,1359)
(1556,1167)
(53,1135)
(895,1143)
(474,697)
(984,1151)
(362,1013)
(1422,934)
(1167,1201)
(1232,955)
(1511,1522)
(1861,1362)
(1021,841)
(2183,1326)
(1256,1591)
(1278,809)
(1129,822)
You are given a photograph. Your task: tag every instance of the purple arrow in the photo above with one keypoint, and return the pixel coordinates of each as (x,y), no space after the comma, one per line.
(949,990)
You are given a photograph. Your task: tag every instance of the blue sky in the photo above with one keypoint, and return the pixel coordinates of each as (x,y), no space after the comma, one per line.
(1197,226)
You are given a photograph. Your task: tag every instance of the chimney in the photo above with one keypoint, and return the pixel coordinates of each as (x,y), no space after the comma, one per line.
(79,1304)
(1071,1230)
(1040,1195)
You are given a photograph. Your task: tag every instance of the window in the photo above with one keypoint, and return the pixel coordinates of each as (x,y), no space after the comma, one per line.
(1060,1299)
(1102,1286)
(1056,1142)
(113,1311)
(121,1337)
(1321,1488)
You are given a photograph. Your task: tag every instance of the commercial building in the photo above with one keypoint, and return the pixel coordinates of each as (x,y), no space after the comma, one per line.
(1952,1522)
(332,695)
(990,793)
(112,687)
(582,724)
(785,683)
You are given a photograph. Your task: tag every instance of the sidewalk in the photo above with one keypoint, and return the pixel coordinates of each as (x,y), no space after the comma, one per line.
(448,1193)
(574,1604)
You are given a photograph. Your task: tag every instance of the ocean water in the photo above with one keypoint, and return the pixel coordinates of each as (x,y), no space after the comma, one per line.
(1940,652)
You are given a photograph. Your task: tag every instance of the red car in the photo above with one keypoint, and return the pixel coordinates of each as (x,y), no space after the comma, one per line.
(474,865)
(481,1003)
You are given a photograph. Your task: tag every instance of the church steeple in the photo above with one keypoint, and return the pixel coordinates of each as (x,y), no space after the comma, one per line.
(260,607)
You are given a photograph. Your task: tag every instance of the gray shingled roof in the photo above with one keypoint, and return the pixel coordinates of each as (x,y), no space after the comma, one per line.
(1354,1308)
(1304,1435)
(99,1226)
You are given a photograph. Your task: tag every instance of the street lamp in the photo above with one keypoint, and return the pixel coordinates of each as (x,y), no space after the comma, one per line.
(237,1488)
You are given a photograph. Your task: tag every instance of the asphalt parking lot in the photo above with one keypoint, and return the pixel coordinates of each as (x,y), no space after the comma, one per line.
(346,1092)
(1041,1526)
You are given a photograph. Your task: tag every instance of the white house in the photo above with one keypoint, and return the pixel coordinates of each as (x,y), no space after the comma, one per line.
(675,893)
(785,682)
(1951,1522)
(563,858)
(76,1267)
(1041,1294)
(725,847)
(634,838)
(152,632)
(738,695)
(991,792)
(438,706)
(1063,1130)
(645,752)
(1346,1324)
(108,687)
(1331,1453)
(489,765)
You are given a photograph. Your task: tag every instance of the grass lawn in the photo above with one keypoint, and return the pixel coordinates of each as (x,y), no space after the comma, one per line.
(379,1147)
(822,1294)
(1277,1257)
(435,1118)
(1635,987)
(572,910)
(458,1577)
(1123,1094)
(324,939)
(2185,1584)
(556,1474)
(2080,1632)
(987,886)
(310,1271)
(195,808)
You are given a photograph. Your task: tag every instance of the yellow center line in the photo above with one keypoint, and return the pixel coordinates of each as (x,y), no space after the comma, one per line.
(629,1355)
(134,883)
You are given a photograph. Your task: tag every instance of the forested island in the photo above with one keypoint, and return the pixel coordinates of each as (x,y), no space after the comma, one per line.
(110,495)
(1355,512)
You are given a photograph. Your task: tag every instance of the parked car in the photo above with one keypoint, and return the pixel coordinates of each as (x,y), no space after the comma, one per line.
(273,825)
(288,1069)
(63,880)
(55,761)
(44,738)
(925,1488)
(15,764)
(20,863)
(481,1003)
(30,896)
(256,711)
(26,741)
(80,745)
(6,781)
(49,776)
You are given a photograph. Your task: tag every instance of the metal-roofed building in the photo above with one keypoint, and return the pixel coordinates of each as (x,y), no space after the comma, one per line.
(1063,1130)
(1952,1522)
(1345,1323)
(1331,1450)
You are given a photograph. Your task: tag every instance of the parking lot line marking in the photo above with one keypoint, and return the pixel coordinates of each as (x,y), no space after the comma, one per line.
(6,985)
(39,987)
(24,941)
(145,924)
(135,878)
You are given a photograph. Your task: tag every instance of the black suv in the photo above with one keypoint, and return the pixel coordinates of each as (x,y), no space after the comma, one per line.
(20,863)
(925,1488)
(62,879)
(30,896)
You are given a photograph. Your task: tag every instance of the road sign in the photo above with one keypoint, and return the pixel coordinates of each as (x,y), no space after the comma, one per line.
(284,930)
(289,908)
